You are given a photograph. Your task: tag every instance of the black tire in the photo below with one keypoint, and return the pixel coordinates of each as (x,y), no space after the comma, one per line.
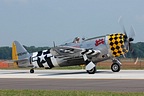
(115,67)
(31,70)
(92,71)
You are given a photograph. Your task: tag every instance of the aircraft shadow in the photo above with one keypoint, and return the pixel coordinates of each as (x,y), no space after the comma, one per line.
(56,73)
(71,73)
(104,72)
(63,73)
(14,72)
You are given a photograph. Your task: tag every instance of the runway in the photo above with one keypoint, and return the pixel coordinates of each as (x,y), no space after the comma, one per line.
(103,80)
(73,74)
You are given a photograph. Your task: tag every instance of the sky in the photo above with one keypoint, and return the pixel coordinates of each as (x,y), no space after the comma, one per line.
(40,22)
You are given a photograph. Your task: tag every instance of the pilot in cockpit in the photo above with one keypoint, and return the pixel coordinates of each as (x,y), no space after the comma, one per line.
(76,40)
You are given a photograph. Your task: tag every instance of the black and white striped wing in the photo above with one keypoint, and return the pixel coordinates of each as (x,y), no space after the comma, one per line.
(90,52)
(73,51)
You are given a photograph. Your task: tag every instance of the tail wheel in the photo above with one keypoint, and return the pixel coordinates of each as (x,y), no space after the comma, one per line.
(115,67)
(31,70)
(92,71)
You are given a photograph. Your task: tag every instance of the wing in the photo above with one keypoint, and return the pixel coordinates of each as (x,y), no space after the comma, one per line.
(73,53)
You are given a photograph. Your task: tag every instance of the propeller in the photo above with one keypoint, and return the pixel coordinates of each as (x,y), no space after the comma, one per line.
(128,39)
(132,34)
(131,37)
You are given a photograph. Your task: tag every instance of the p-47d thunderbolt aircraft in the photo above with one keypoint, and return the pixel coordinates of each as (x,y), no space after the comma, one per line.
(89,52)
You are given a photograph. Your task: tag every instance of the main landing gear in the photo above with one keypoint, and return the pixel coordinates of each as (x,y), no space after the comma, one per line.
(92,71)
(116,66)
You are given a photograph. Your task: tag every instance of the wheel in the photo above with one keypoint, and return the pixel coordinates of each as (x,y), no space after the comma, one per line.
(92,71)
(115,67)
(31,70)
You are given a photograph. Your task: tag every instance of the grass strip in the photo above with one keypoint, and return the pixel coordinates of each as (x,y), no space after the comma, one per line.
(65,93)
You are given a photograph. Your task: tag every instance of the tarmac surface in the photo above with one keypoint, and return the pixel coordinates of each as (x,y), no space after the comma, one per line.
(102,80)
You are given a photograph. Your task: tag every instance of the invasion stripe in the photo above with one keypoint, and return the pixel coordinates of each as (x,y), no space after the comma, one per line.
(86,50)
(91,52)
(49,62)
(39,63)
(46,52)
(39,53)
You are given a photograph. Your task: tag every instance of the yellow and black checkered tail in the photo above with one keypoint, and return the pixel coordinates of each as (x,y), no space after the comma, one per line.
(116,43)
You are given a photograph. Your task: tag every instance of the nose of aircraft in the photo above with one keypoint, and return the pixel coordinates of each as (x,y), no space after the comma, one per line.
(117,44)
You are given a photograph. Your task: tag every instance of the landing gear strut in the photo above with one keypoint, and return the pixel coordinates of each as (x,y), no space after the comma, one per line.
(31,70)
(92,71)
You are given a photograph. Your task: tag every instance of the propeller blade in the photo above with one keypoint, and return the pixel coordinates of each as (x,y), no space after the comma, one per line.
(136,60)
(133,55)
(126,36)
(120,21)
(131,38)
(132,33)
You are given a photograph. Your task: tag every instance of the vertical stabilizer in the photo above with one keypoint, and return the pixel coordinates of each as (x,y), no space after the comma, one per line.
(19,52)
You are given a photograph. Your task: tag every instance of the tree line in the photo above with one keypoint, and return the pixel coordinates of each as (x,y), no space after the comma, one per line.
(136,50)
(6,52)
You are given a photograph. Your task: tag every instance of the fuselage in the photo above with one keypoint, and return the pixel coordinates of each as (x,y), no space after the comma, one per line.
(110,46)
